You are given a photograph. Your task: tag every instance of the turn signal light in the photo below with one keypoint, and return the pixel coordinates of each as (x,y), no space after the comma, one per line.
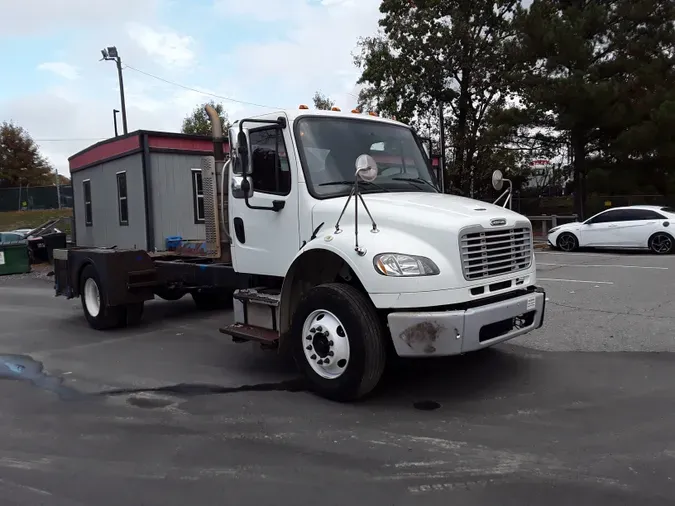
(303,107)
(356,111)
(335,109)
(372,113)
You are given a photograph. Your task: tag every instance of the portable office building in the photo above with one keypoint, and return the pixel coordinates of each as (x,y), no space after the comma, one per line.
(134,191)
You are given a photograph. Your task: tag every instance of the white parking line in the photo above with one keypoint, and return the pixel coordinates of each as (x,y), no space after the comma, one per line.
(576,281)
(580,253)
(606,265)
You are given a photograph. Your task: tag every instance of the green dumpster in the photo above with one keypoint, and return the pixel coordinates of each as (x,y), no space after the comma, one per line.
(14,258)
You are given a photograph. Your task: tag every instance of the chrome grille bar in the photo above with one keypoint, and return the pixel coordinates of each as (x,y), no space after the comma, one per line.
(495,252)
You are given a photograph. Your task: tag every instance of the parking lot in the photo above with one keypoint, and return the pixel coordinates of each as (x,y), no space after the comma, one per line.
(174,412)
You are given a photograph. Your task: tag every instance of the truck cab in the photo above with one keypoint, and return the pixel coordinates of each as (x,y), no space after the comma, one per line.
(330,238)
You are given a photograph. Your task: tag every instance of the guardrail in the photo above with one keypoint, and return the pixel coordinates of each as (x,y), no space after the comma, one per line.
(542,224)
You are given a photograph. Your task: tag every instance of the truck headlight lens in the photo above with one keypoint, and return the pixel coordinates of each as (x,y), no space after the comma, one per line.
(399,265)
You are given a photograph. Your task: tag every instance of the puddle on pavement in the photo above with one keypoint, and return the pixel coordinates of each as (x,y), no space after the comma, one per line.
(24,368)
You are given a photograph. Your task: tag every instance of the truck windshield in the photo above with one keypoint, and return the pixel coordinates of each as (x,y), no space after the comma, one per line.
(329,148)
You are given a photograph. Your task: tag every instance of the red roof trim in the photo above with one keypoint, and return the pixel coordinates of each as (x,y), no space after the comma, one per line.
(103,152)
(183,144)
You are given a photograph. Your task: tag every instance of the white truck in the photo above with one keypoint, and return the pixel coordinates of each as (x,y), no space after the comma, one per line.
(356,255)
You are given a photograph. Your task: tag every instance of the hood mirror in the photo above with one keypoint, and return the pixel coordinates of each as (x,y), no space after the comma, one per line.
(366,168)
(498,181)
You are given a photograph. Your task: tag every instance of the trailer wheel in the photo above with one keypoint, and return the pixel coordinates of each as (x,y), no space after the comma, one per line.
(95,305)
(212,300)
(338,342)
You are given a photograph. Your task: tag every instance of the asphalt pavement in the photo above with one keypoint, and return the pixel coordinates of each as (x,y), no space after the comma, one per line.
(174,413)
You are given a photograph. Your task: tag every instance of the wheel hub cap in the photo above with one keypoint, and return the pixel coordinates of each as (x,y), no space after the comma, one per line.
(326,345)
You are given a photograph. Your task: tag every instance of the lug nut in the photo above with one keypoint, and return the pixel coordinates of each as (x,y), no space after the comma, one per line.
(326,361)
(309,348)
(330,343)
(330,354)
(320,362)
(313,357)
(309,338)
(319,328)
(312,330)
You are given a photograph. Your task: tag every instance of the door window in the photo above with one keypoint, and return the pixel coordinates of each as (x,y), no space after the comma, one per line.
(607,217)
(269,161)
(643,215)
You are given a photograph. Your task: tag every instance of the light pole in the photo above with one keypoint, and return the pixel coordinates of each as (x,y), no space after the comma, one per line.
(115,111)
(111,53)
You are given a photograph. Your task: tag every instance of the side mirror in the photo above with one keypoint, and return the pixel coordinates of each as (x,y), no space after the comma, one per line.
(241,187)
(497,180)
(366,168)
(243,152)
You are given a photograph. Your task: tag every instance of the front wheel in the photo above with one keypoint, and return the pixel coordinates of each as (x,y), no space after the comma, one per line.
(661,243)
(338,342)
(567,242)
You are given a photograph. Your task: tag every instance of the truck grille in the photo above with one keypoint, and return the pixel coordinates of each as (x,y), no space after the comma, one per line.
(495,252)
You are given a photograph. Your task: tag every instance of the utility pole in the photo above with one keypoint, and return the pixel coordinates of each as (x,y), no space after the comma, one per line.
(111,53)
(58,188)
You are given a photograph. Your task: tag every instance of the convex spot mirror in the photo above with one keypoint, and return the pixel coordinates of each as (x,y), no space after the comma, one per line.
(366,168)
(497,180)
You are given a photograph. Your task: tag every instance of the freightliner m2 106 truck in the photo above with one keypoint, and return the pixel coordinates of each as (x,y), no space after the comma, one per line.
(356,255)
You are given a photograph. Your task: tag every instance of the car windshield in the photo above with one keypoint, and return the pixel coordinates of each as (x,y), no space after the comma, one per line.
(329,148)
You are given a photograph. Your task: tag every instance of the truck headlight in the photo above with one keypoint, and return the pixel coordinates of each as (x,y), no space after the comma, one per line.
(400,265)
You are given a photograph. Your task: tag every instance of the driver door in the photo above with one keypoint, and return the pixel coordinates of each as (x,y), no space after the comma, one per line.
(600,230)
(265,241)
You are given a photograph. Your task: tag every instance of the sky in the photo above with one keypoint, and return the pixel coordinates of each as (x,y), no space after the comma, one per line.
(263,54)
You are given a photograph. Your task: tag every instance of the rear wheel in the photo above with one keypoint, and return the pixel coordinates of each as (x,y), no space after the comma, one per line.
(338,342)
(95,304)
(567,242)
(661,243)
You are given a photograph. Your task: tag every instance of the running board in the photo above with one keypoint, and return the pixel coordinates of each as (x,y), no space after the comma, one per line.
(257,307)
(242,333)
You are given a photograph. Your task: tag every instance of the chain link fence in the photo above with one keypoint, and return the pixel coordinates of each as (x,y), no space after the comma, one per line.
(36,197)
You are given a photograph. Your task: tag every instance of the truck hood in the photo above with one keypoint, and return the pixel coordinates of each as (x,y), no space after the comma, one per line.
(427,210)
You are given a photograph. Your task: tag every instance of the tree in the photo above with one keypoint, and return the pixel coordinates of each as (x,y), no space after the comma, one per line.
(21,163)
(449,52)
(322,102)
(597,72)
(197,123)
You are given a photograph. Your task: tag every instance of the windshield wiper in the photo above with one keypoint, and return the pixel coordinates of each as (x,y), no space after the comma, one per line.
(351,183)
(414,180)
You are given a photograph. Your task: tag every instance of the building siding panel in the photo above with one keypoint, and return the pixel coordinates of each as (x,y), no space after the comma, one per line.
(106,230)
(173,213)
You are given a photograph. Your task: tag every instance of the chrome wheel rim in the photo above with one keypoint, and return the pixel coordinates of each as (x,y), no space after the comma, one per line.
(92,297)
(325,344)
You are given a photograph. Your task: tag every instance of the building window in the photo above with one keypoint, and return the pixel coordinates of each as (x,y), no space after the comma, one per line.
(269,160)
(122,204)
(88,217)
(198,195)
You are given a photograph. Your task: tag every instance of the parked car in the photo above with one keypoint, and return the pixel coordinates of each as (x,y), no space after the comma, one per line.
(631,227)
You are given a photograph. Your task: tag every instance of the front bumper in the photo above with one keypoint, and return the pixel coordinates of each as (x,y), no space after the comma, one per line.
(443,333)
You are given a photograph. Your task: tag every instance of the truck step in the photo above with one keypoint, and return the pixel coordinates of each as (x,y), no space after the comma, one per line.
(267,296)
(241,332)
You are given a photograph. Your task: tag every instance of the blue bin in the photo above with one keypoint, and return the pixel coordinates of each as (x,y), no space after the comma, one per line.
(173,242)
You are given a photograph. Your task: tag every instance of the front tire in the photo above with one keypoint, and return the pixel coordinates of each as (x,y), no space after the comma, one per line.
(99,315)
(567,242)
(661,243)
(338,342)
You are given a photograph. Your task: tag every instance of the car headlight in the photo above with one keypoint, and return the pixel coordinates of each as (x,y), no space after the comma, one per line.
(400,265)
(553,230)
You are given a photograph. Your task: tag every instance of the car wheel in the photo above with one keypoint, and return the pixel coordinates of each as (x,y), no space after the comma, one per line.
(567,242)
(661,243)
(338,342)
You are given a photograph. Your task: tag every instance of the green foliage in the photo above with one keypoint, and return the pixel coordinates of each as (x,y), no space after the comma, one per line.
(197,123)
(21,163)
(322,102)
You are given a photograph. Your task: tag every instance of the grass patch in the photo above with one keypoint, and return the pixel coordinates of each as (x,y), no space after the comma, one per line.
(12,220)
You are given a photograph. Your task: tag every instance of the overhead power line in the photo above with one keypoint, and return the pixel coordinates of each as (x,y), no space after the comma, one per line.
(229,99)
